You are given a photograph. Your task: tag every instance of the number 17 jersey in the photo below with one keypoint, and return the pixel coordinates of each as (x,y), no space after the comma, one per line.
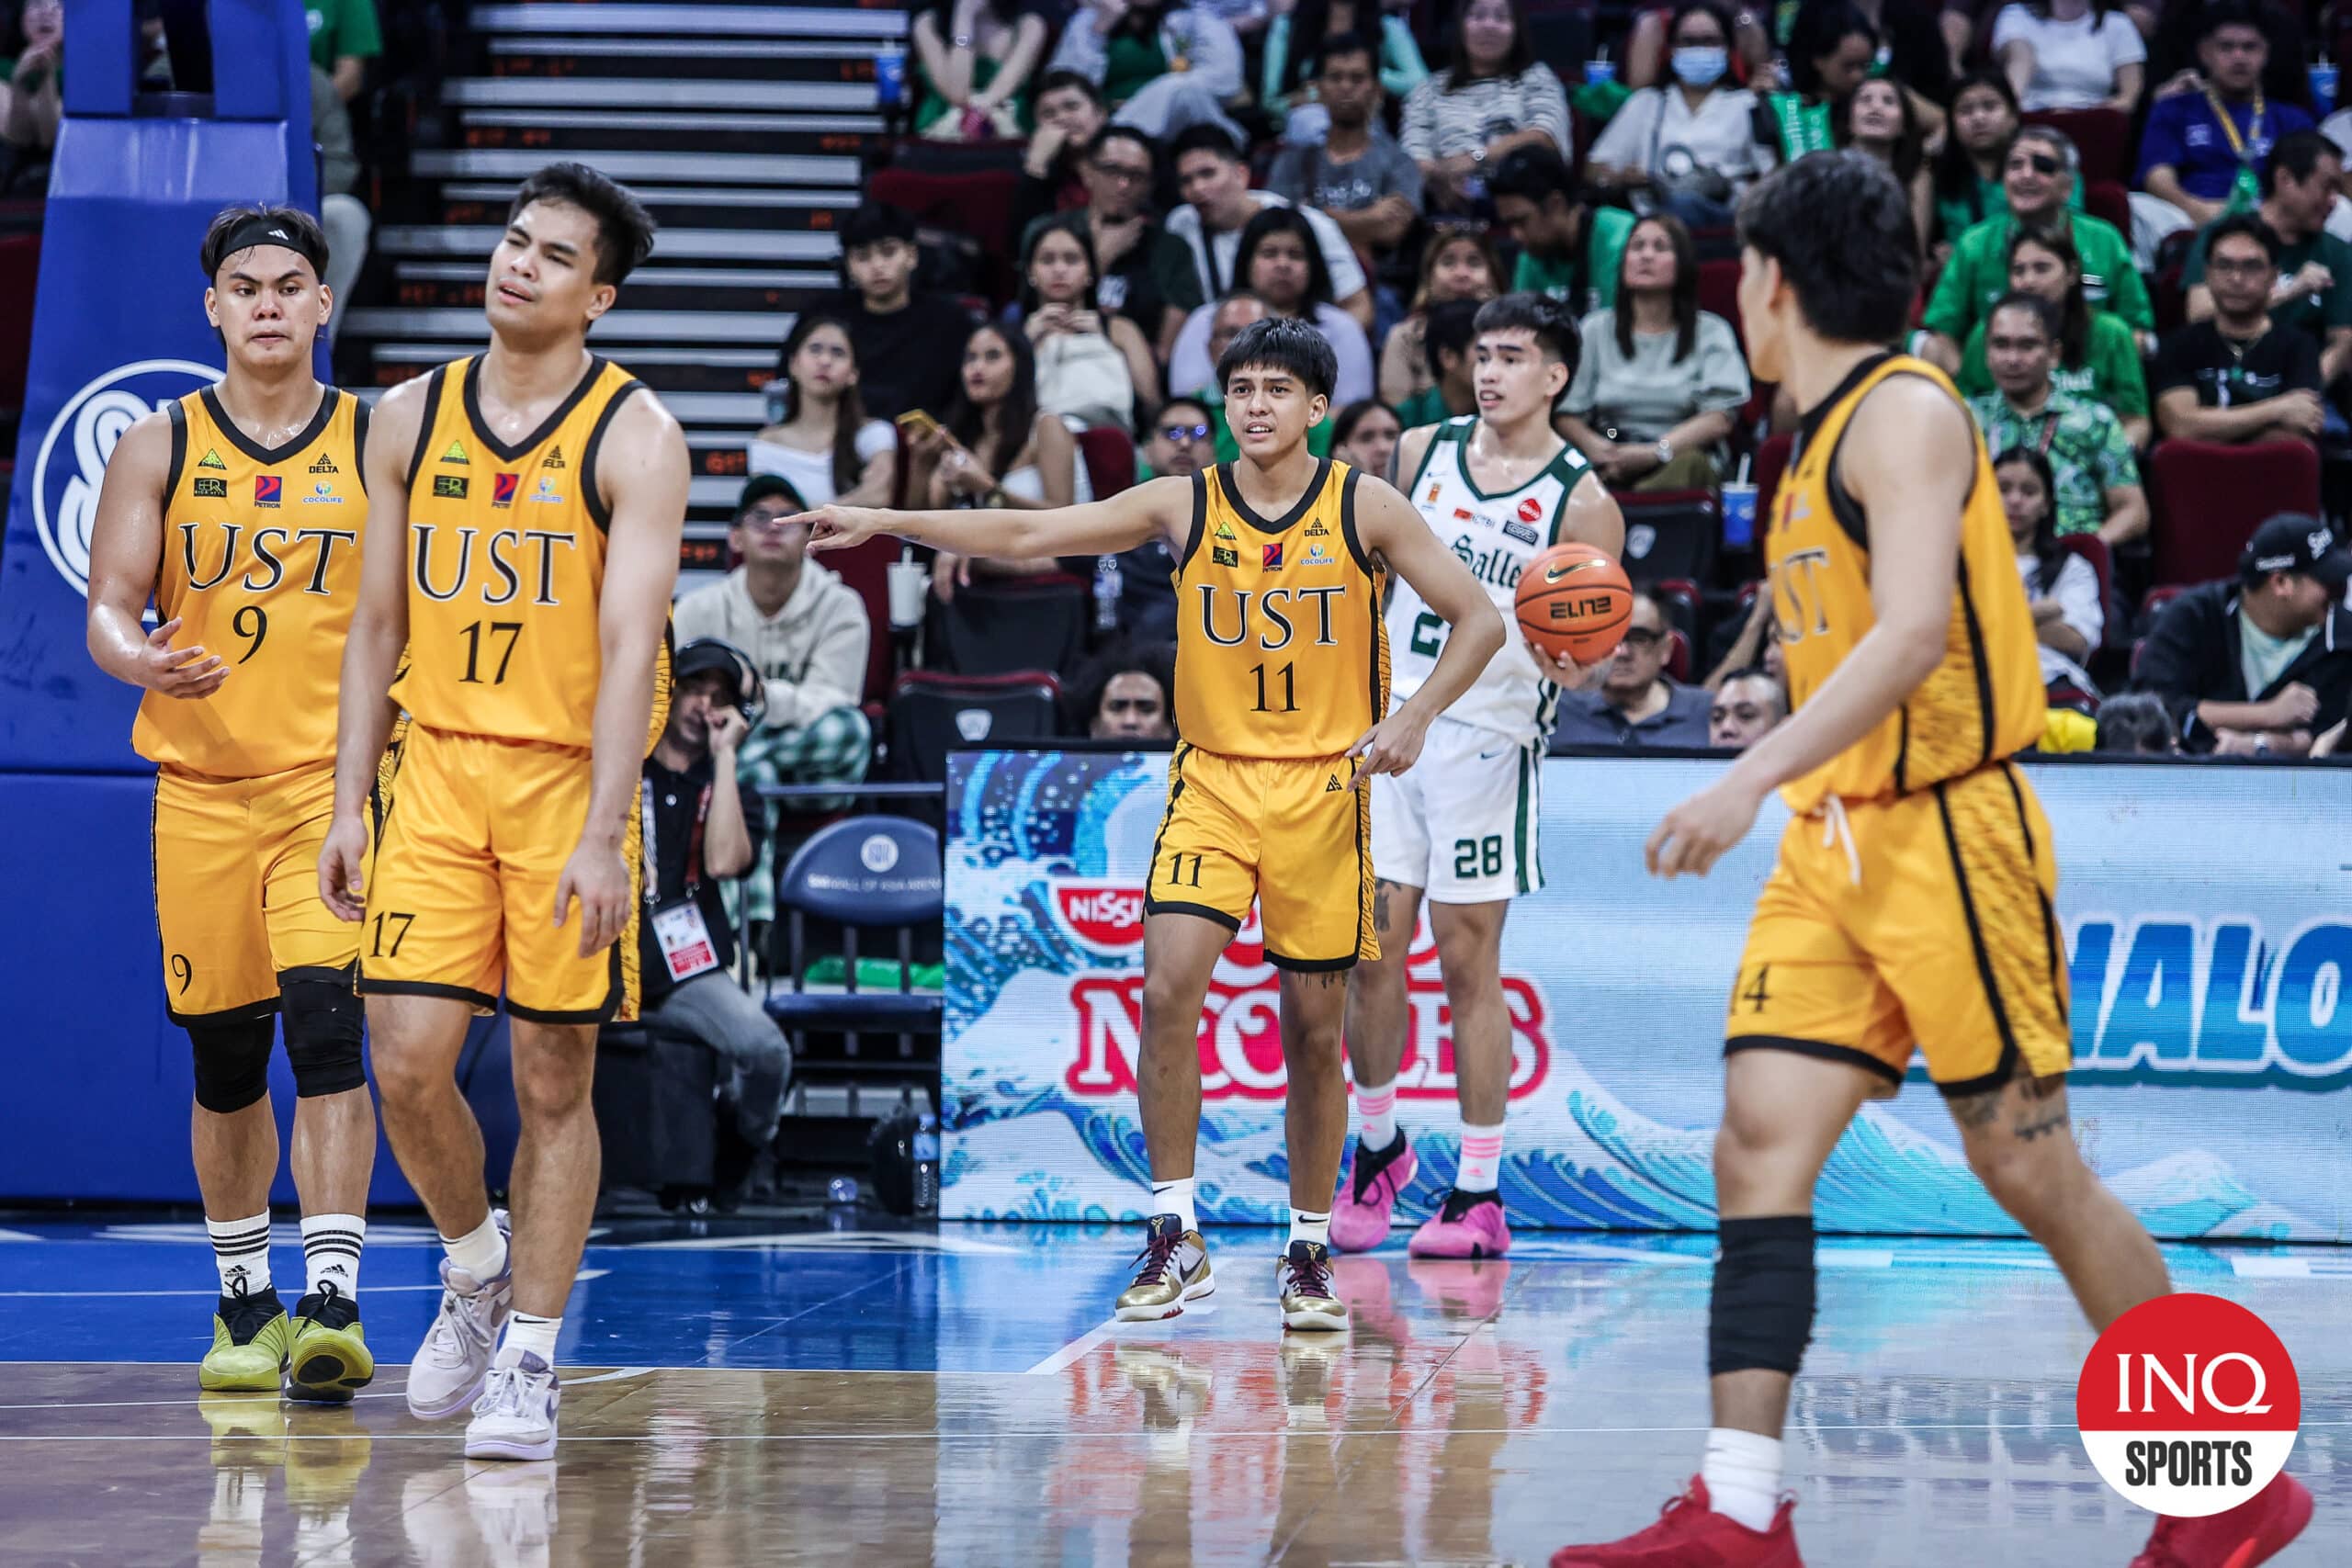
(507,564)
(1495,534)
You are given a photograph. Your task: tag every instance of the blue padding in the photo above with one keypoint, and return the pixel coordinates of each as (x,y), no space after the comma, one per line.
(868,871)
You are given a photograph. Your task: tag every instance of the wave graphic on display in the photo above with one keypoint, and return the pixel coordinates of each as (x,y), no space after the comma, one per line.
(1024,827)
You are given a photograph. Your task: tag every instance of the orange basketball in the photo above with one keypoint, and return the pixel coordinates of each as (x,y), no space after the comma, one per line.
(1574,603)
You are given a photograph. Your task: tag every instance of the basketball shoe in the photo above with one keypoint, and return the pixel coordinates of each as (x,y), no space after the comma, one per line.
(1173,1268)
(1469,1224)
(514,1418)
(2254,1531)
(1302,1285)
(328,1359)
(1690,1534)
(1361,1208)
(447,1372)
(250,1335)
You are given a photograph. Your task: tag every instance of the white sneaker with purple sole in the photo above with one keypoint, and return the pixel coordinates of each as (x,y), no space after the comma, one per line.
(514,1418)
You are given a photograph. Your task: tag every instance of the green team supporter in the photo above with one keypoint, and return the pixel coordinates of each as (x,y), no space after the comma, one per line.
(2088,453)
(2109,373)
(340,28)
(1585,282)
(1955,217)
(2316,313)
(1978,274)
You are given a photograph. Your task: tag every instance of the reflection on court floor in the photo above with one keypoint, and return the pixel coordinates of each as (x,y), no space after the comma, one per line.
(819,1398)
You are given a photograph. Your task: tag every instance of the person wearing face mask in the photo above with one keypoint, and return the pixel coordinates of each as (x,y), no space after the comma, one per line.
(1692,147)
(2041,172)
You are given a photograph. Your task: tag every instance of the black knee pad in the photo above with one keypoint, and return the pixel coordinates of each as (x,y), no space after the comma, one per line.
(323,1025)
(232,1061)
(1761,1313)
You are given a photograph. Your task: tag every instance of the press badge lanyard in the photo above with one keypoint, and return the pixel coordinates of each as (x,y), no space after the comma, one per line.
(679,928)
(652,848)
(2246,186)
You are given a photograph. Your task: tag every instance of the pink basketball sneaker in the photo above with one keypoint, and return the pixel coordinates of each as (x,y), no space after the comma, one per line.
(1469,1224)
(1361,1208)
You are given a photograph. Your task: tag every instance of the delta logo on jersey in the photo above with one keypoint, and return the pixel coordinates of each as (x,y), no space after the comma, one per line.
(1240,1032)
(2188,1405)
(71,461)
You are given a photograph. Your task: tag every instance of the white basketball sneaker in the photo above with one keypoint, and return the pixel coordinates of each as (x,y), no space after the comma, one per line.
(514,1418)
(448,1371)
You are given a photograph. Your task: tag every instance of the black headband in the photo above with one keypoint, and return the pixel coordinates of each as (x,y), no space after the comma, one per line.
(258,230)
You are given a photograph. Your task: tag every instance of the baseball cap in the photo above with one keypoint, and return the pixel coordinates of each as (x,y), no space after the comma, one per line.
(760,486)
(2295,543)
(706,653)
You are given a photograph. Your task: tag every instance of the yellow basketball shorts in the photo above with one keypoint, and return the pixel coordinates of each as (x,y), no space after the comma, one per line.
(1290,833)
(237,890)
(1920,921)
(461,903)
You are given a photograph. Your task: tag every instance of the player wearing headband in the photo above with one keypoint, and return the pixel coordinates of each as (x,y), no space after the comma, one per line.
(528,505)
(239,510)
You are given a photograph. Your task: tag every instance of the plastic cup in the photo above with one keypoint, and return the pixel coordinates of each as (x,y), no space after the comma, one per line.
(1739,516)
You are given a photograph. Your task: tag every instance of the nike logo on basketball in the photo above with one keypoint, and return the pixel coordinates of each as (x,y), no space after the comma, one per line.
(1559,570)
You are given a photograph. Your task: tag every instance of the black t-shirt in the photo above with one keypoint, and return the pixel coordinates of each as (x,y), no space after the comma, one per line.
(910,358)
(680,807)
(2230,374)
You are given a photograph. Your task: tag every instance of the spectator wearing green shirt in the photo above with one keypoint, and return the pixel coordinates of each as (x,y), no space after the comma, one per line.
(2041,168)
(2095,480)
(1968,167)
(2095,355)
(1567,251)
(344,37)
(2314,289)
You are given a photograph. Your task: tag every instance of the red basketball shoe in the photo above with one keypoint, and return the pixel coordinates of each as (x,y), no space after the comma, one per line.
(1689,1534)
(2254,1531)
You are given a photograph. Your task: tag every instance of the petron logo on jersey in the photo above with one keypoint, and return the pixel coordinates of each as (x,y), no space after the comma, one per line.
(71,461)
(1241,1033)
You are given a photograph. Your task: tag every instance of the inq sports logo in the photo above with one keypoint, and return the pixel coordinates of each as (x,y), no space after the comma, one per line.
(72,459)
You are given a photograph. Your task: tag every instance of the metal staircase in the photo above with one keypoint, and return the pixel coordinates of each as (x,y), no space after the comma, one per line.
(743,128)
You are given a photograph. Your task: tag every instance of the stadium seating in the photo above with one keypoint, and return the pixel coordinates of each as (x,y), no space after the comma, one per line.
(2210,498)
(931,713)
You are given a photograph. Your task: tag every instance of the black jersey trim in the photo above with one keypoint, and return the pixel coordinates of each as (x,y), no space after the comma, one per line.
(268,456)
(548,426)
(1822,1050)
(1200,521)
(1977,657)
(1985,976)
(432,416)
(359,412)
(591,493)
(1282,525)
(1348,524)
(176,412)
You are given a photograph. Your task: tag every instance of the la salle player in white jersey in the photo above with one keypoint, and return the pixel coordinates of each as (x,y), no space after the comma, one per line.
(1498,488)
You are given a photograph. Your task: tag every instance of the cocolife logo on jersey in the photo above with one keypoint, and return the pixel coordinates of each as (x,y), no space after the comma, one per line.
(2188,1405)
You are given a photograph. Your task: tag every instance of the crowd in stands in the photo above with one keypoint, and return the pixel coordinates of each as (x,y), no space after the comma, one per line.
(2134,238)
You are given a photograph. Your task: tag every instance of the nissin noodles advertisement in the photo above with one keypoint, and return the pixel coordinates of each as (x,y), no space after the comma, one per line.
(2208,926)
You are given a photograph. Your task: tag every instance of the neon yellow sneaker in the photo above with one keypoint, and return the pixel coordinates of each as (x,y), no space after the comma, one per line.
(328,1361)
(250,1335)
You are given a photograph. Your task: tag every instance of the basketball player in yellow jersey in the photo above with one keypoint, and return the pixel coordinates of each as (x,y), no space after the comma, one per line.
(1911,907)
(239,510)
(1281,700)
(518,573)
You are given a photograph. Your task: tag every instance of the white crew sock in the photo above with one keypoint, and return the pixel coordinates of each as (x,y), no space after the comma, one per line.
(524,1332)
(1377,1114)
(1308,1225)
(331,1245)
(480,1252)
(1742,1471)
(1482,1158)
(241,1252)
(1175,1197)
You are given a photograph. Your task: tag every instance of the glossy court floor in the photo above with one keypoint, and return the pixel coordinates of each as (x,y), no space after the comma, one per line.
(767,1396)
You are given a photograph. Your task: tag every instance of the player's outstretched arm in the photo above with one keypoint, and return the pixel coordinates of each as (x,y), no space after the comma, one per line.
(1159,509)
(1386,524)
(1909,460)
(126,553)
(371,649)
(643,470)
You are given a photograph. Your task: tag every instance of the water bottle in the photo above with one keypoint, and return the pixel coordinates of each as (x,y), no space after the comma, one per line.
(2325,81)
(927,1165)
(1106,593)
(890,76)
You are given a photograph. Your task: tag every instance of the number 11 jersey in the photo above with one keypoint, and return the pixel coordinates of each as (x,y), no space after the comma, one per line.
(507,564)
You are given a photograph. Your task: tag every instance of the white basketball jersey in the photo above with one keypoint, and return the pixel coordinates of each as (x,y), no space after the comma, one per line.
(1495,535)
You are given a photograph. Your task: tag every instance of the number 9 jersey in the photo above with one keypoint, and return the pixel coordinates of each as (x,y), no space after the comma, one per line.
(261,566)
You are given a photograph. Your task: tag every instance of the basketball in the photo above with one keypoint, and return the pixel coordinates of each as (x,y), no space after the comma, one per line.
(1574,603)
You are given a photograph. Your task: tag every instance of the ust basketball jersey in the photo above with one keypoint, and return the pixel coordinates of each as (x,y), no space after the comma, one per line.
(261,565)
(1279,649)
(507,564)
(1983,702)
(1495,534)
